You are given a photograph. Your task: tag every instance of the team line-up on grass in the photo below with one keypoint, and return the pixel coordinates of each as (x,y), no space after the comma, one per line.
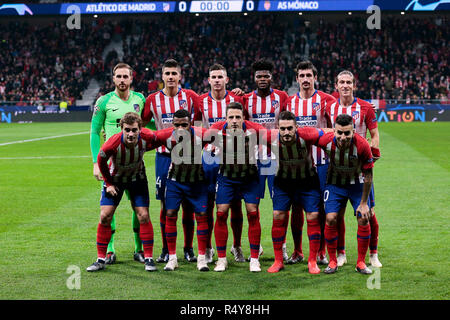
(312,152)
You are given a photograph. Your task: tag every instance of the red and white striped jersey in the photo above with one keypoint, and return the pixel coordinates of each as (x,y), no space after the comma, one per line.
(126,165)
(295,161)
(161,108)
(209,111)
(312,112)
(346,165)
(362,113)
(231,166)
(188,167)
(265,111)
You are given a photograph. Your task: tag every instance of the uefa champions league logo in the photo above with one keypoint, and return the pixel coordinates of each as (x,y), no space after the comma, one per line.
(417,6)
(20,8)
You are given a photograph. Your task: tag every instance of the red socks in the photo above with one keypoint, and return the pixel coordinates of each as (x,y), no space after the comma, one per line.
(103,238)
(363,236)
(373,244)
(341,234)
(202,233)
(188,227)
(162,224)
(313,229)
(297,221)
(331,236)
(146,235)
(171,234)
(237,219)
(254,233)
(221,233)
(278,237)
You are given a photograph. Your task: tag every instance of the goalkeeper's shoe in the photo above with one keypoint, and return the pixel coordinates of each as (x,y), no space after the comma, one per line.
(189,255)
(164,257)
(96,266)
(139,256)
(110,258)
(150,265)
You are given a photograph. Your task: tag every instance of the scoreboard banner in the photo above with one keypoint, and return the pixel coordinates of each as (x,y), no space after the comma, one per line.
(220,6)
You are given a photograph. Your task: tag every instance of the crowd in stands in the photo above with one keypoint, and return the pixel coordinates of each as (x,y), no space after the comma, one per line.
(49,63)
(407,59)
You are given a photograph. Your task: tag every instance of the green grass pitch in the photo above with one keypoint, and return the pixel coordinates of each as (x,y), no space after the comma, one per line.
(50,209)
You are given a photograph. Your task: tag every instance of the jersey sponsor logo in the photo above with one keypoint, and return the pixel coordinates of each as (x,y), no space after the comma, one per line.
(167,118)
(275,104)
(310,121)
(183,104)
(263,117)
(102,153)
(355,115)
(96,108)
(316,106)
(213,120)
(137,108)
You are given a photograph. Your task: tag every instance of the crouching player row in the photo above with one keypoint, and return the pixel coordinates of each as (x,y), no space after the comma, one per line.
(349,178)
(126,171)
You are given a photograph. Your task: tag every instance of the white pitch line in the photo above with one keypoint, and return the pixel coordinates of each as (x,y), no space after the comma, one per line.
(44,138)
(44,157)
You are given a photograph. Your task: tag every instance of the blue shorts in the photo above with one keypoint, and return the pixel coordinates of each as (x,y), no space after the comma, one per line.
(336,197)
(137,193)
(162,164)
(266,171)
(195,193)
(322,171)
(305,192)
(372,197)
(211,170)
(232,189)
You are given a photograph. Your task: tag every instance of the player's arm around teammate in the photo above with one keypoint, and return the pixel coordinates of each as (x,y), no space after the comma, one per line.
(126,172)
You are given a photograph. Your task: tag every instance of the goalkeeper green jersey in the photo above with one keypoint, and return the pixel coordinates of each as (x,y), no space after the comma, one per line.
(108,111)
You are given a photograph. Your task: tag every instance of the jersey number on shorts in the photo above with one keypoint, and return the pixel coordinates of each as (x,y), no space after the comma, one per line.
(325,195)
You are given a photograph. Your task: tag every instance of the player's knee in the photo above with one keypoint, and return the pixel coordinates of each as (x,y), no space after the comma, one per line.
(312,215)
(222,215)
(252,215)
(279,215)
(363,221)
(171,213)
(331,219)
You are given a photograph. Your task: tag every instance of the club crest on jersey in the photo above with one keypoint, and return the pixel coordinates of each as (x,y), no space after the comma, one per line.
(275,104)
(316,106)
(355,115)
(183,104)
(137,108)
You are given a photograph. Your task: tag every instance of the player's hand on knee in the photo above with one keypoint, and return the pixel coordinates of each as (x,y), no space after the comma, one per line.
(112,190)
(97,173)
(363,211)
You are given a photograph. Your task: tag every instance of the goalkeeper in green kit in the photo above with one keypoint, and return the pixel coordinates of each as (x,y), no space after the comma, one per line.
(108,111)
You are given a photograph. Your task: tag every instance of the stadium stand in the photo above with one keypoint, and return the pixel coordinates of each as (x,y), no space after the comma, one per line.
(406,60)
